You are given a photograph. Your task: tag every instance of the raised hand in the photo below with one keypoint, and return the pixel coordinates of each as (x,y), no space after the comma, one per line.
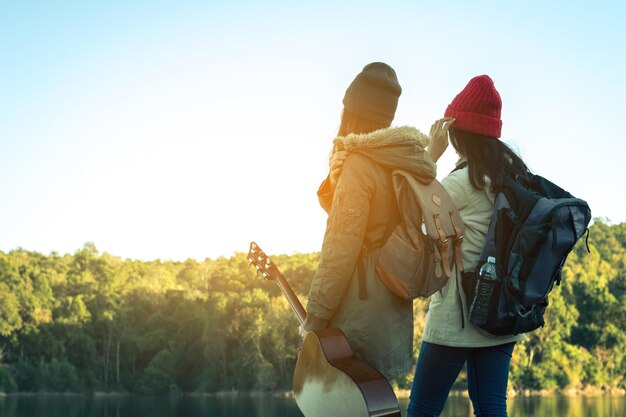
(439,133)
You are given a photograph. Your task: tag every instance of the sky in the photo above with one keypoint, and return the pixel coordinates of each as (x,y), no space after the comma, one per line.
(176,130)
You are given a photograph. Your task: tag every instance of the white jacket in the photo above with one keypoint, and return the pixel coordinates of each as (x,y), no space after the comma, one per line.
(446,323)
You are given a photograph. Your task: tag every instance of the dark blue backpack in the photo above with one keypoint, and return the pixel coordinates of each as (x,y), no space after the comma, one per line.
(534,226)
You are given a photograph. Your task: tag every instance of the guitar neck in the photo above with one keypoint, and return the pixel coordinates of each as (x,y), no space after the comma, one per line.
(294,302)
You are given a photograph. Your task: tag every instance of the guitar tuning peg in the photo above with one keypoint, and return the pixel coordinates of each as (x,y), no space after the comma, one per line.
(250,261)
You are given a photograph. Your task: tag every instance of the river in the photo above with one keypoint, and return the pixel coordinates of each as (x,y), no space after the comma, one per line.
(268,406)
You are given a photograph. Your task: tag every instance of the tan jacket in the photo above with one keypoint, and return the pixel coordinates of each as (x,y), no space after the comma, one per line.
(446,323)
(379,327)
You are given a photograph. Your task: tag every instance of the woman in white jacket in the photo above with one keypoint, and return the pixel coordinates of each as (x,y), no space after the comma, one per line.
(472,122)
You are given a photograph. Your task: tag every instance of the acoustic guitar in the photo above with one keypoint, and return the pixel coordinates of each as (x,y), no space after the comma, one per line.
(329,380)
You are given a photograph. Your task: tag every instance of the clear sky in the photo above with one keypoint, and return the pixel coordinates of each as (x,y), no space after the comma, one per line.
(183,129)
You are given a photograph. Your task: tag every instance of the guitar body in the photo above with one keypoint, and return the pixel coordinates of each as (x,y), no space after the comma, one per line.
(330,381)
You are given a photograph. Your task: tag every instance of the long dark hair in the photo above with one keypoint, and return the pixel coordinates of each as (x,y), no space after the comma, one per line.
(353,123)
(487,156)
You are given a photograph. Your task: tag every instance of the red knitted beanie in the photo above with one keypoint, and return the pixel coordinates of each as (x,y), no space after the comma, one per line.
(477,108)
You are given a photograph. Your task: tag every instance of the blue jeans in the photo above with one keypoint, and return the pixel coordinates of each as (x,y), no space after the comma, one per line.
(438,367)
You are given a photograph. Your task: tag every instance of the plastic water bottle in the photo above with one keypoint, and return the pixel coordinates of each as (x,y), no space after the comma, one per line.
(485,283)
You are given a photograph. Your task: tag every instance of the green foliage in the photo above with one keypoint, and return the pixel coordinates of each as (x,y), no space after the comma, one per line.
(94,321)
(157,378)
(54,376)
(7,382)
(583,341)
(10,319)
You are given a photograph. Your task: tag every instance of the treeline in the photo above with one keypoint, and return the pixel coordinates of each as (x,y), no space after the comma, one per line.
(95,322)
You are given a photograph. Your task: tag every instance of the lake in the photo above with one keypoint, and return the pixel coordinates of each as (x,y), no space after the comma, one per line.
(260,406)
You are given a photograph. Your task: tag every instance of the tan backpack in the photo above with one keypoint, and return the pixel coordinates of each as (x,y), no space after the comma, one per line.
(417,257)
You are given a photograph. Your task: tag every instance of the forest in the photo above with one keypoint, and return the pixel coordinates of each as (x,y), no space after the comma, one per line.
(92,321)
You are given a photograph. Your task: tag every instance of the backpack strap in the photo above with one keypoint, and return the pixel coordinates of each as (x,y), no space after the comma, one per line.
(360,270)
(468,282)
(443,245)
(368,248)
(458,241)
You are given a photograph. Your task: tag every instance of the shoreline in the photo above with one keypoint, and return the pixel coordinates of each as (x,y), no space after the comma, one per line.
(404,393)
(587,392)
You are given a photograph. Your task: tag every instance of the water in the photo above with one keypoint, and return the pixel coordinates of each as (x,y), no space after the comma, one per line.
(268,406)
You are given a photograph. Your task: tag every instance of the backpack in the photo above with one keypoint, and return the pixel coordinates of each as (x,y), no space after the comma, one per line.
(416,258)
(533,228)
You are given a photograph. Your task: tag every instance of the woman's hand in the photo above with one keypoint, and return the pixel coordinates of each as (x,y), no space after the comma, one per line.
(335,162)
(312,323)
(439,137)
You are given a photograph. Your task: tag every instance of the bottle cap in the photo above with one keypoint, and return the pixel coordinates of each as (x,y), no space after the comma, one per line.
(491,259)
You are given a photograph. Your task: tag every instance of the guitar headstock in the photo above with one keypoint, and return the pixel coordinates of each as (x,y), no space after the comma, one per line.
(261,261)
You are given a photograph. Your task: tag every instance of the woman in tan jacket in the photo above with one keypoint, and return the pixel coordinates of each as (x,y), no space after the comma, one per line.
(450,340)
(345,291)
